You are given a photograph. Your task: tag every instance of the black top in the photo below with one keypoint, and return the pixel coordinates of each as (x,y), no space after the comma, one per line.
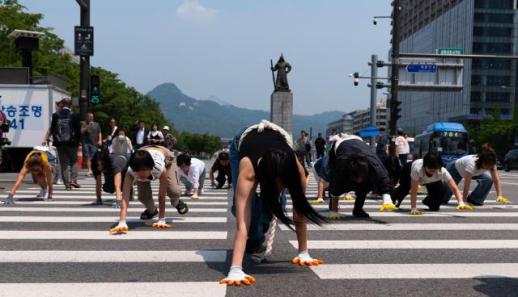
(75,126)
(320,143)
(255,145)
(220,168)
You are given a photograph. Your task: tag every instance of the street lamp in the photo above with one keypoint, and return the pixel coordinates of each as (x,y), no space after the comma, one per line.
(375,19)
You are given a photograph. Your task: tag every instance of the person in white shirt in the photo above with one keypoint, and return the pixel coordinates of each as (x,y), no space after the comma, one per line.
(192,173)
(140,135)
(145,165)
(430,173)
(402,147)
(121,144)
(482,168)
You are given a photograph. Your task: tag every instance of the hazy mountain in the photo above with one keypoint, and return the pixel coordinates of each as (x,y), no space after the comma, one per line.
(220,118)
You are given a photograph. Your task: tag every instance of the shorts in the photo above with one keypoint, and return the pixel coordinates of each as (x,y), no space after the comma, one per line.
(89,150)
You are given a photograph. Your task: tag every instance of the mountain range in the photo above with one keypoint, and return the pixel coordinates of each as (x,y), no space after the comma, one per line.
(217,117)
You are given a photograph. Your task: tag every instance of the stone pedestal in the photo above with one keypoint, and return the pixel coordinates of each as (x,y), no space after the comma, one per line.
(281,111)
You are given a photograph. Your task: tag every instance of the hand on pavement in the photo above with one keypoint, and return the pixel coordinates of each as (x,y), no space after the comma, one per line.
(304,259)
(236,277)
(195,197)
(416,212)
(121,228)
(161,224)
(317,201)
(9,200)
(348,197)
(501,199)
(388,207)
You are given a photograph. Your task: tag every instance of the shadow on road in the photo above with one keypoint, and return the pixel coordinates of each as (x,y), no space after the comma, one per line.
(497,287)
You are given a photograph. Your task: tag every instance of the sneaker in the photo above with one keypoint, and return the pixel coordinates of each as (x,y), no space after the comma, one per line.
(116,204)
(42,194)
(187,193)
(145,215)
(360,213)
(259,254)
(68,188)
(50,199)
(9,200)
(75,185)
(89,174)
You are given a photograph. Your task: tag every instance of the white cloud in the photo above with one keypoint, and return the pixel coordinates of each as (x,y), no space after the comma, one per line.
(192,10)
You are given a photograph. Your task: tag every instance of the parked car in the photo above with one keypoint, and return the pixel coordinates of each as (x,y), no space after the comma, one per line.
(511,160)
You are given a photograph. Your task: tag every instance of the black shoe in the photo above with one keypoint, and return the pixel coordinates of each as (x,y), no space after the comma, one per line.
(474,203)
(75,185)
(426,201)
(360,213)
(147,215)
(182,207)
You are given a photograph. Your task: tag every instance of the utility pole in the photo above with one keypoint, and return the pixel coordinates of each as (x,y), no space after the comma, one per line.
(374,89)
(394,94)
(84,83)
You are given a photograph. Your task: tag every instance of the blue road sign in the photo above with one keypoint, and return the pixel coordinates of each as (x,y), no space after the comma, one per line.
(428,68)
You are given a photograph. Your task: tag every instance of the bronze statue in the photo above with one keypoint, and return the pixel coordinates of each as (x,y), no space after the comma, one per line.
(283,68)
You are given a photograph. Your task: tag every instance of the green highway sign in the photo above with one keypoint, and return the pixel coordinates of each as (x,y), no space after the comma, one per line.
(449,51)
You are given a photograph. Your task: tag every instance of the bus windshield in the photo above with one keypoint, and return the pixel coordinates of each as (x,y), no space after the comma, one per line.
(450,143)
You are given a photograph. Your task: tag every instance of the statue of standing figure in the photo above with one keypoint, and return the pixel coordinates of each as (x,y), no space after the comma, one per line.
(283,68)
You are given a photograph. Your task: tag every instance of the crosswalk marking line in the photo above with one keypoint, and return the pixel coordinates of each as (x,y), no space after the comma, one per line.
(110,197)
(379,202)
(56,256)
(98,209)
(348,206)
(89,202)
(409,244)
(104,235)
(117,289)
(458,214)
(76,219)
(92,191)
(409,227)
(416,271)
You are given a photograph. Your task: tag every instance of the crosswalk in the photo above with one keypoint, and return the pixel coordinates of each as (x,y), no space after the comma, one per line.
(392,245)
(58,247)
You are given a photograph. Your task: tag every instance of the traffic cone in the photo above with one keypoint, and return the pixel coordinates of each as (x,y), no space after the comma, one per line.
(80,157)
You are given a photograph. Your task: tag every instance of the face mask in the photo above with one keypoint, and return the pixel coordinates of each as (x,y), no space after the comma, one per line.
(121,137)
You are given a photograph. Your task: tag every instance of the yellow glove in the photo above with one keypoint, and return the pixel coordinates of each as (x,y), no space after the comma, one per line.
(332,215)
(304,259)
(503,200)
(348,197)
(388,207)
(195,197)
(318,201)
(236,277)
(161,224)
(464,207)
(415,212)
(121,228)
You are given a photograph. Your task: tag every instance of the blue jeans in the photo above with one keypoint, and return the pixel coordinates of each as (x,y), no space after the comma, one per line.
(189,186)
(481,191)
(261,216)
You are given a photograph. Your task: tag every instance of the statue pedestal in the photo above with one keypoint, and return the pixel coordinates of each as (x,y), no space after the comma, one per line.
(281,112)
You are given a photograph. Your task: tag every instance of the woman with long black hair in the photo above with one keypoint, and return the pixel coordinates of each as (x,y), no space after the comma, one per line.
(263,155)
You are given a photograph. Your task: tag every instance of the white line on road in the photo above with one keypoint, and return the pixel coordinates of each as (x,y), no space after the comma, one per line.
(184,289)
(408,227)
(409,244)
(407,206)
(89,203)
(458,214)
(76,219)
(104,235)
(111,256)
(95,209)
(416,271)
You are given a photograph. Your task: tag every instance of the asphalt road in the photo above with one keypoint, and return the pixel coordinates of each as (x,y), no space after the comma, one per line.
(63,248)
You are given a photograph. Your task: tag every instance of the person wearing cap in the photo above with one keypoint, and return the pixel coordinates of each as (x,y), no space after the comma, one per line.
(169,139)
(222,166)
(402,147)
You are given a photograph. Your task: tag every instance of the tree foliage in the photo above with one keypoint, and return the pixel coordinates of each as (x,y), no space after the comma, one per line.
(120,101)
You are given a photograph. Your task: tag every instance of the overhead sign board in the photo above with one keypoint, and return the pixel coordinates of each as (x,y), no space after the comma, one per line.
(84,41)
(421,68)
(449,51)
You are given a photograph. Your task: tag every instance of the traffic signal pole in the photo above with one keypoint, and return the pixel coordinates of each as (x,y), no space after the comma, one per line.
(394,94)
(84,82)
(374,89)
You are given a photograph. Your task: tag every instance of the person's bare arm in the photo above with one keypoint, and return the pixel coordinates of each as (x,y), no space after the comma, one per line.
(497,182)
(467,184)
(98,187)
(19,180)
(126,192)
(117,180)
(50,182)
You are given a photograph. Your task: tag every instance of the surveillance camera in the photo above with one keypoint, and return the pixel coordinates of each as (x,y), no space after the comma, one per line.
(375,21)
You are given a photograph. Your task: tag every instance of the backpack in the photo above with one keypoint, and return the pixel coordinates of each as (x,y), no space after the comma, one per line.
(64,132)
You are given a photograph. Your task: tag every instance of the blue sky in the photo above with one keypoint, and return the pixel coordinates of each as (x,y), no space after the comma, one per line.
(223,47)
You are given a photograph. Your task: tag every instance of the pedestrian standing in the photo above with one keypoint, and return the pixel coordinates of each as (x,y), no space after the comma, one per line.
(121,144)
(140,135)
(155,136)
(300,147)
(192,173)
(66,132)
(381,145)
(92,140)
(402,147)
(112,130)
(320,146)
(307,143)
(169,139)
(481,168)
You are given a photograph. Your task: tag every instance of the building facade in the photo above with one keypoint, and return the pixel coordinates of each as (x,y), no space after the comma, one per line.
(476,26)
(354,122)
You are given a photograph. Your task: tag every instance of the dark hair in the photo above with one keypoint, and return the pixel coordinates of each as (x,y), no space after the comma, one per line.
(183,159)
(120,130)
(223,156)
(35,160)
(278,165)
(486,156)
(102,156)
(141,160)
(155,124)
(432,160)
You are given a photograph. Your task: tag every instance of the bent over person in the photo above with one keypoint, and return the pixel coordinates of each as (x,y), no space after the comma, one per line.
(355,167)
(263,156)
(145,165)
(429,172)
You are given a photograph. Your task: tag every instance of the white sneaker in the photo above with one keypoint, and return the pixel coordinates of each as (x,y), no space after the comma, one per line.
(42,194)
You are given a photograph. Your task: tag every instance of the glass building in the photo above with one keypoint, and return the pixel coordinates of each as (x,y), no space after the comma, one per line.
(476,26)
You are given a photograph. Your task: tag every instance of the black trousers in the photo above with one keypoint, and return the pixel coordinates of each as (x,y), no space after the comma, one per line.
(435,190)
(222,178)
(320,153)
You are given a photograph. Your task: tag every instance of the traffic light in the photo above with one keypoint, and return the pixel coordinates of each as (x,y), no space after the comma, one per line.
(356,78)
(95,89)
(395,110)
